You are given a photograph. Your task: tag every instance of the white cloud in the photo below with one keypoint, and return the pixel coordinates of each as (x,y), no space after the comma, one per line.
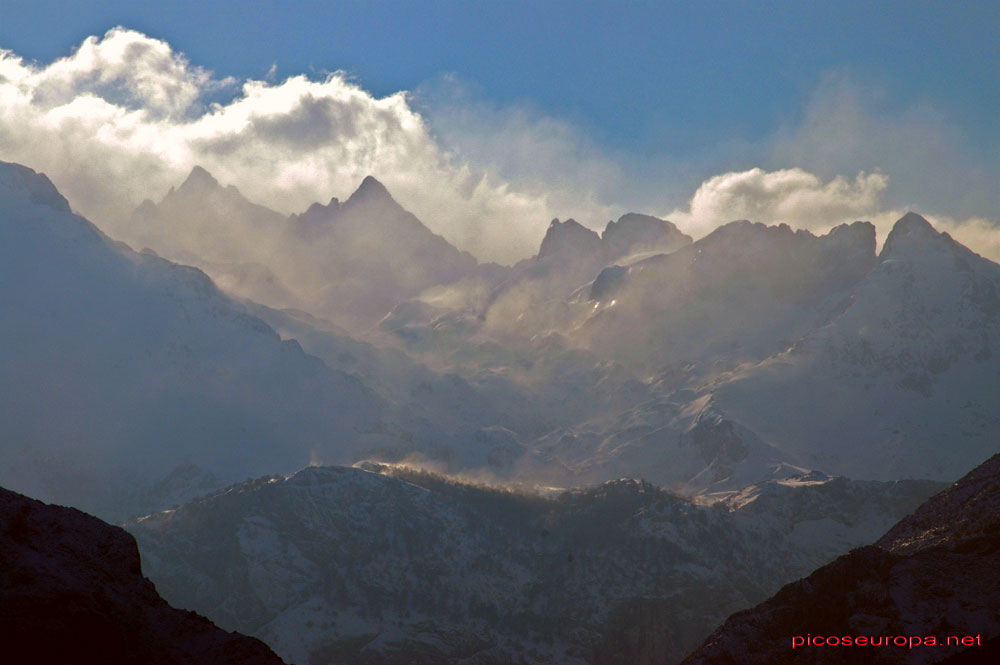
(125,68)
(792,196)
(849,126)
(804,201)
(123,119)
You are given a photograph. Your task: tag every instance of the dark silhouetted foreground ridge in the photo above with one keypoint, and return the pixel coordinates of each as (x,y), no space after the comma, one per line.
(936,573)
(71,591)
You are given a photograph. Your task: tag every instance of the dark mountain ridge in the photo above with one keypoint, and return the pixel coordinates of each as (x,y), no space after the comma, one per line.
(934,574)
(72,591)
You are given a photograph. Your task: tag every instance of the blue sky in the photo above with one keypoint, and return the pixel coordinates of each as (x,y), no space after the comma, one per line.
(663,76)
(660,95)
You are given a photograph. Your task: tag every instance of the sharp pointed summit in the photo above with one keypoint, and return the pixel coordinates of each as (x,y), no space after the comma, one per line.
(199,180)
(370,190)
(911,230)
(15,178)
(569,238)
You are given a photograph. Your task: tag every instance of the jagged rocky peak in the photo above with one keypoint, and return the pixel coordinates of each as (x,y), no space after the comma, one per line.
(911,232)
(847,251)
(744,228)
(370,190)
(858,235)
(199,180)
(318,207)
(568,239)
(147,209)
(317,214)
(634,232)
(742,240)
(19,180)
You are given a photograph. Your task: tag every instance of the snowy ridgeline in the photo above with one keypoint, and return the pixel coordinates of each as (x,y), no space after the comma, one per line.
(382,564)
(933,576)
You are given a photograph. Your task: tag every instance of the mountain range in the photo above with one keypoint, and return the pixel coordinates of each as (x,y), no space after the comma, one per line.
(352,261)
(384,564)
(704,366)
(665,429)
(122,372)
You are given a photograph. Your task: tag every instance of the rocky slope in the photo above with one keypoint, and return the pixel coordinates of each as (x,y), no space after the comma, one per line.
(909,362)
(72,591)
(736,295)
(119,368)
(934,574)
(759,348)
(750,353)
(389,565)
(351,262)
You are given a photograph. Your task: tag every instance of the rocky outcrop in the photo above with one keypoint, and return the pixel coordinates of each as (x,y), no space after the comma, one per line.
(72,591)
(936,574)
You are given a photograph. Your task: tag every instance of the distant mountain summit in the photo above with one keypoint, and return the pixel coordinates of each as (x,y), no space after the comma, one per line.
(199,180)
(737,294)
(571,256)
(350,261)
(369,190)
(572,242)
(906,361)
(72,591)
(375,255)
(634,232)
(569,240)
(149,367)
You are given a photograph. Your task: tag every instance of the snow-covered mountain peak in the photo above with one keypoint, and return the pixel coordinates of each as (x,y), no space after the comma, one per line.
(913,233)
(19,181)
